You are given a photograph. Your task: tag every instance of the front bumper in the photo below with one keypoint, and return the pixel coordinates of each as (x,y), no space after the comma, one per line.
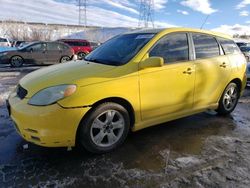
(4,60)
(50,126)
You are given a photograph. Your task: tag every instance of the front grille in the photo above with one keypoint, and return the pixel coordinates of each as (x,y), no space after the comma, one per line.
(21,92)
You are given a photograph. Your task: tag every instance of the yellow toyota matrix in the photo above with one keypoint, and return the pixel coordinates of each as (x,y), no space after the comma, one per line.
(133,81)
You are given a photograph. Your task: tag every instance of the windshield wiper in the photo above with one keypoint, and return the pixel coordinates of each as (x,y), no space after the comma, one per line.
(105,62)
(94,60)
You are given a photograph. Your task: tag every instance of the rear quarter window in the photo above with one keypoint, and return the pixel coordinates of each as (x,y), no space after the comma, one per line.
(229,46)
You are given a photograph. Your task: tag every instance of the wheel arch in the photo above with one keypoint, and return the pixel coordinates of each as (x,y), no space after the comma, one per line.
(60,61)
(238,82)
(82,51)
(14,56)
(123,102)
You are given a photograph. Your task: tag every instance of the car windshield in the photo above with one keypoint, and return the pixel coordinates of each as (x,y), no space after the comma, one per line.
(25,45)
(119,50)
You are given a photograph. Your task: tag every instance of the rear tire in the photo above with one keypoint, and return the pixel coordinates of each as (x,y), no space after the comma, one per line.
(64,59)
(229,99)
(81,55)
(105,128)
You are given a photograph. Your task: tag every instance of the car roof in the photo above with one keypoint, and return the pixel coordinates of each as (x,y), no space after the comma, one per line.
(179,29)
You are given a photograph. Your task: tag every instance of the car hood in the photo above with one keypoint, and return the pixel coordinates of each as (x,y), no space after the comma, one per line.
(7,49)
(80,73)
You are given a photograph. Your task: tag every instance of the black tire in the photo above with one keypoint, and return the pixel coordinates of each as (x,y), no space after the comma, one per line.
(87,127)
(224,109)
(64,59)
(16,61)
(81,55)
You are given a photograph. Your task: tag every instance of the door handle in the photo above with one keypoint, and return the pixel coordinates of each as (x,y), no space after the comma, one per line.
(223,65)
(188,71)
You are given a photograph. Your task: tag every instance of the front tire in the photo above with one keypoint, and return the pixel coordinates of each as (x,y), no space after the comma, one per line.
(16,61)
(105,128)
(229,99)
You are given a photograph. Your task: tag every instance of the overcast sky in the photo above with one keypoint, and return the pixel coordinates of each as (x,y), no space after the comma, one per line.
(230,16)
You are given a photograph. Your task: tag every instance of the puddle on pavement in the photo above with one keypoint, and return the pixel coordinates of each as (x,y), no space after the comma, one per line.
(184,136)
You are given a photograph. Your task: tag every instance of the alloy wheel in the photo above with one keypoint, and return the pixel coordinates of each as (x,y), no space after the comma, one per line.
(230,98)
(107,128)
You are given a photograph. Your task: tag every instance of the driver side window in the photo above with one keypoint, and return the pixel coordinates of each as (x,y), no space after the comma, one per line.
(172,48)
(36,48)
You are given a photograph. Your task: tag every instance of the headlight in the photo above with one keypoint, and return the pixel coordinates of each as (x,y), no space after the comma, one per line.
(51,95)
(3,54)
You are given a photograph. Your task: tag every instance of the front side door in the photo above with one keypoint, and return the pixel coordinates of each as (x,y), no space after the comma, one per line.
(36,53)
(168,89)
(212,70)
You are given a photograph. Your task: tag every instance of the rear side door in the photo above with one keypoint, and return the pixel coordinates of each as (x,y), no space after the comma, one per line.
(168,89)
(212,70)
(53,53)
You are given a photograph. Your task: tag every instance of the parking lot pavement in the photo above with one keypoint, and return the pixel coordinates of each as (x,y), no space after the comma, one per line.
(203,150)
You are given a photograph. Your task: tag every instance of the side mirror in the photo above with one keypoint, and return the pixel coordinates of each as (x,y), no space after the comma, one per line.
(31,50)
(152,62)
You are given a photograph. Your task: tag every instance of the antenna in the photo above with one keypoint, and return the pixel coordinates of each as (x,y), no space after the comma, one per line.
(146,13)
(82,18)
(205,21)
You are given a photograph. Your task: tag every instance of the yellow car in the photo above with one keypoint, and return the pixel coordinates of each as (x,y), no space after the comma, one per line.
(131,82)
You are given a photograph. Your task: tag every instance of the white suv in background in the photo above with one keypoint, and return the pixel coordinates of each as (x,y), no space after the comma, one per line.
(4,42)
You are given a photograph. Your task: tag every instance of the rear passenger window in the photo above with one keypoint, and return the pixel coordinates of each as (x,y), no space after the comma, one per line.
(52,46)
(205,46)
(172,48)
(229,46)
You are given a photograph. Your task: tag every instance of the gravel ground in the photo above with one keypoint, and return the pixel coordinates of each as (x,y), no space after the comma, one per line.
(203,150)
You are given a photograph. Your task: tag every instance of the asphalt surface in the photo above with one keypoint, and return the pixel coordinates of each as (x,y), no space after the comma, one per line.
(204,150)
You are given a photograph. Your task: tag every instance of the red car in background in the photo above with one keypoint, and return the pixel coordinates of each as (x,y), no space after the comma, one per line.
(80,47)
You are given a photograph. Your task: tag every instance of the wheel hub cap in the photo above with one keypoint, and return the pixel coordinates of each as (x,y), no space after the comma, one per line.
(107,128)
(230,98)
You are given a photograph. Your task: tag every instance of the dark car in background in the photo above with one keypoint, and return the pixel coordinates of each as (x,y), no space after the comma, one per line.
(37,53)
(81,47)
(246,51)
(241,44)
